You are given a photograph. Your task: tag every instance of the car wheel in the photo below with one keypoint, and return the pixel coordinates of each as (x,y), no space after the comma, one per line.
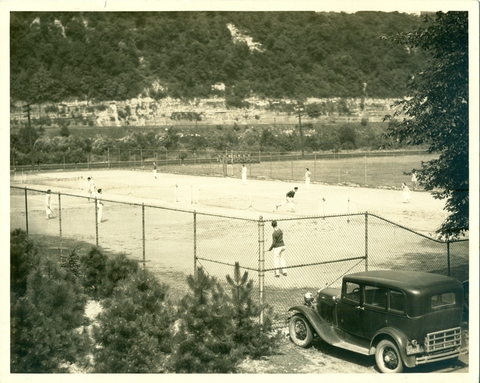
(300,331)
(387,357)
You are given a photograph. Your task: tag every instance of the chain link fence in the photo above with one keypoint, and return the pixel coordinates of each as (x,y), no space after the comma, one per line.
(320,250)
(372,168)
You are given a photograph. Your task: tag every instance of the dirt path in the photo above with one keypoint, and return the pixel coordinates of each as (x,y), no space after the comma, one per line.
(323,358)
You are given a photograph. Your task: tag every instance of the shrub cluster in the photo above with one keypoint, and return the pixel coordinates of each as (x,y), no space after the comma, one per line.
(47,305)
(139,330)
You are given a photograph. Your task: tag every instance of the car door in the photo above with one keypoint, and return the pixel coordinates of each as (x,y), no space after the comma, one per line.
(375,308)
(350,309)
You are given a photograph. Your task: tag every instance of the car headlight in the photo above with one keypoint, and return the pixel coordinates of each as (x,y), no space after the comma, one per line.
(308,298)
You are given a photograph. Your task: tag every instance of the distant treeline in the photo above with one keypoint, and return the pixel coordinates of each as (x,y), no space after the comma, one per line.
(57,56)
(82,145)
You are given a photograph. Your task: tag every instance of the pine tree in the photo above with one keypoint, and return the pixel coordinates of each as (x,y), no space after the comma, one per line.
(94,265)
(216,331)
(254,338)
(134,329)
(204,334)
(45,319)
(71,262)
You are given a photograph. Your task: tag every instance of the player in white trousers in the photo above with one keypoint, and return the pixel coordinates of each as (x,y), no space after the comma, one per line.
(405,193)
(307,178)
(278,247)
(91,187)
(244,174)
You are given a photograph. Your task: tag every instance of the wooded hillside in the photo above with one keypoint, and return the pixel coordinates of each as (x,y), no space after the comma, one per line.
(99,56)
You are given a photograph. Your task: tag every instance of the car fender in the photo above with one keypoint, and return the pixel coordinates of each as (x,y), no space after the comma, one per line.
(311,315)
(400,339)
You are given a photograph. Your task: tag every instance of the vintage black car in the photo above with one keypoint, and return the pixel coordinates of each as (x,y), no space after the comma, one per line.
(404,318)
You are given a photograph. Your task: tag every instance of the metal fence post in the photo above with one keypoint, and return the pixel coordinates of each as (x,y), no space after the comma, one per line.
(143,234)
(194,243)
(60,214)
(366,241)
(96,222)
(26,211)
(261,264)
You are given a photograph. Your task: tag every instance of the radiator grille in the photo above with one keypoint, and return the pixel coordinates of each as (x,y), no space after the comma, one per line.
(442,340)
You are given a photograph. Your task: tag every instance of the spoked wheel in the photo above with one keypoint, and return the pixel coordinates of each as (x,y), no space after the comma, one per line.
(300,331)
(388,357)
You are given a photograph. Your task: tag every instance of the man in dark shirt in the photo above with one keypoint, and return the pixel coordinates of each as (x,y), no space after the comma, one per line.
(289,199)
(278,247)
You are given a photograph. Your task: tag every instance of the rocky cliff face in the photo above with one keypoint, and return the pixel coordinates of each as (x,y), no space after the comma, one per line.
(145,111)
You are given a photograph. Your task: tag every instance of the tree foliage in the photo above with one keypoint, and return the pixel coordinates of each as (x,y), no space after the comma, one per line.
(139,329)
(46,308)
(118,55)
(133,333)
(437,113)
(215,331)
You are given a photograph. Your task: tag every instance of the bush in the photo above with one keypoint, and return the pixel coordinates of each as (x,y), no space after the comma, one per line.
(64,132)
(117,269)
(44,318)
(93,266)
(51,109)
(215,332)
(133,334)
(23,258)
(43,324)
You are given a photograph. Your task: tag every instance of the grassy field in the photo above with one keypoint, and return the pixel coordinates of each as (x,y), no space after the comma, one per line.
(373,171)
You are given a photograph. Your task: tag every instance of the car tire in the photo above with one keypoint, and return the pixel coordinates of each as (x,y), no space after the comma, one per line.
(301,332)
(388,357)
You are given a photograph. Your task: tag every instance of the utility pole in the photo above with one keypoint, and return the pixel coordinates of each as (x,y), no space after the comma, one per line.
(300,109)
(27,109)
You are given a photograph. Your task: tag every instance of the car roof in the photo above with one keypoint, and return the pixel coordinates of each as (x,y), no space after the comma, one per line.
(406,280)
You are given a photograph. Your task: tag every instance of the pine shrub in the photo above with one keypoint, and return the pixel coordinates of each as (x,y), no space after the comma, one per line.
(44,320)
(215,331)
(23,257)
(133,333)
(94,265)
(117,268)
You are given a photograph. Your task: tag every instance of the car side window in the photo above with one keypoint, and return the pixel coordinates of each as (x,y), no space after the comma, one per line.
(376,296)
(352,292)
(441,300)
(397,301)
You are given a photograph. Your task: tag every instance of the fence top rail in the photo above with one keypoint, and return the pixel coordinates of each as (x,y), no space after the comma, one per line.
(417,233)
(309,217)
(191,211)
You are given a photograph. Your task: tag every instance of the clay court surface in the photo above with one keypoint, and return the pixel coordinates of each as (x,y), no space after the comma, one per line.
(169,231)
(228,196)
